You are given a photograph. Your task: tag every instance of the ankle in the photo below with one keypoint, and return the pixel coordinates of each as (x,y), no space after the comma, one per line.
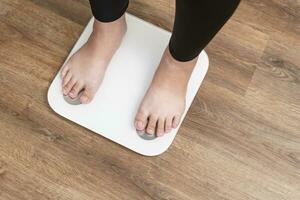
(186,66)
(110,29)
(181,69)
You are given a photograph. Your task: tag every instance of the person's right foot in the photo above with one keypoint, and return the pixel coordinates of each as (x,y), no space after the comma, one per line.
(86,68)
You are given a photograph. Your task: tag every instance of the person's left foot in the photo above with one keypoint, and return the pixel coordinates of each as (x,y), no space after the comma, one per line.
(164,103)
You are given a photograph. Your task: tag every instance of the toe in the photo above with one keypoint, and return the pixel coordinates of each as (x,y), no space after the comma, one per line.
(176,120)
(67,78)
(160,127)
(168,125)
(69,86)
(75,90)
(151,125)
(87,95)
(64,71)
(140,120)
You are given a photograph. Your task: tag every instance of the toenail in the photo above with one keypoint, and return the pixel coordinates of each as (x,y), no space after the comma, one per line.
(139,124)
(150,131)
(160,134)
(84,99)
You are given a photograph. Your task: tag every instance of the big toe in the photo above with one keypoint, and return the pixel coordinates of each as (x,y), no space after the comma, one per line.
(140,120)
(87,95)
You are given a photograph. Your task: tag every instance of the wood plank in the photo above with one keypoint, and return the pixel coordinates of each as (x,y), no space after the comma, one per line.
(240,139)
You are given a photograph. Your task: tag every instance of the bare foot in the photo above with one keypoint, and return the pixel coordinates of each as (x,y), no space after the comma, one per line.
(164,102)
(86,68)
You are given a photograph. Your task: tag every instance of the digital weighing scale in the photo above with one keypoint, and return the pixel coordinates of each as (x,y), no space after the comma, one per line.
(112,111)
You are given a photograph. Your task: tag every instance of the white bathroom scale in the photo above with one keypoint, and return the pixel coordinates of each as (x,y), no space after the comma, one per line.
(112,112)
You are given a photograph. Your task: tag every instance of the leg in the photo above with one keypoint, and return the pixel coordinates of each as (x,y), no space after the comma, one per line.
(86,68)
(196,23)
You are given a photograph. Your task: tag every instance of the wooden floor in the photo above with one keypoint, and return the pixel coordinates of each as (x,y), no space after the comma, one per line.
(240,139)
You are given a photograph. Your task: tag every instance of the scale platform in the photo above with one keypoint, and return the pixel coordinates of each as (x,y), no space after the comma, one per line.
(112,112)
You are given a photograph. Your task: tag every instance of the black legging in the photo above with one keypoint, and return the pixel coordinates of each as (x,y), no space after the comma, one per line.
(196,22)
